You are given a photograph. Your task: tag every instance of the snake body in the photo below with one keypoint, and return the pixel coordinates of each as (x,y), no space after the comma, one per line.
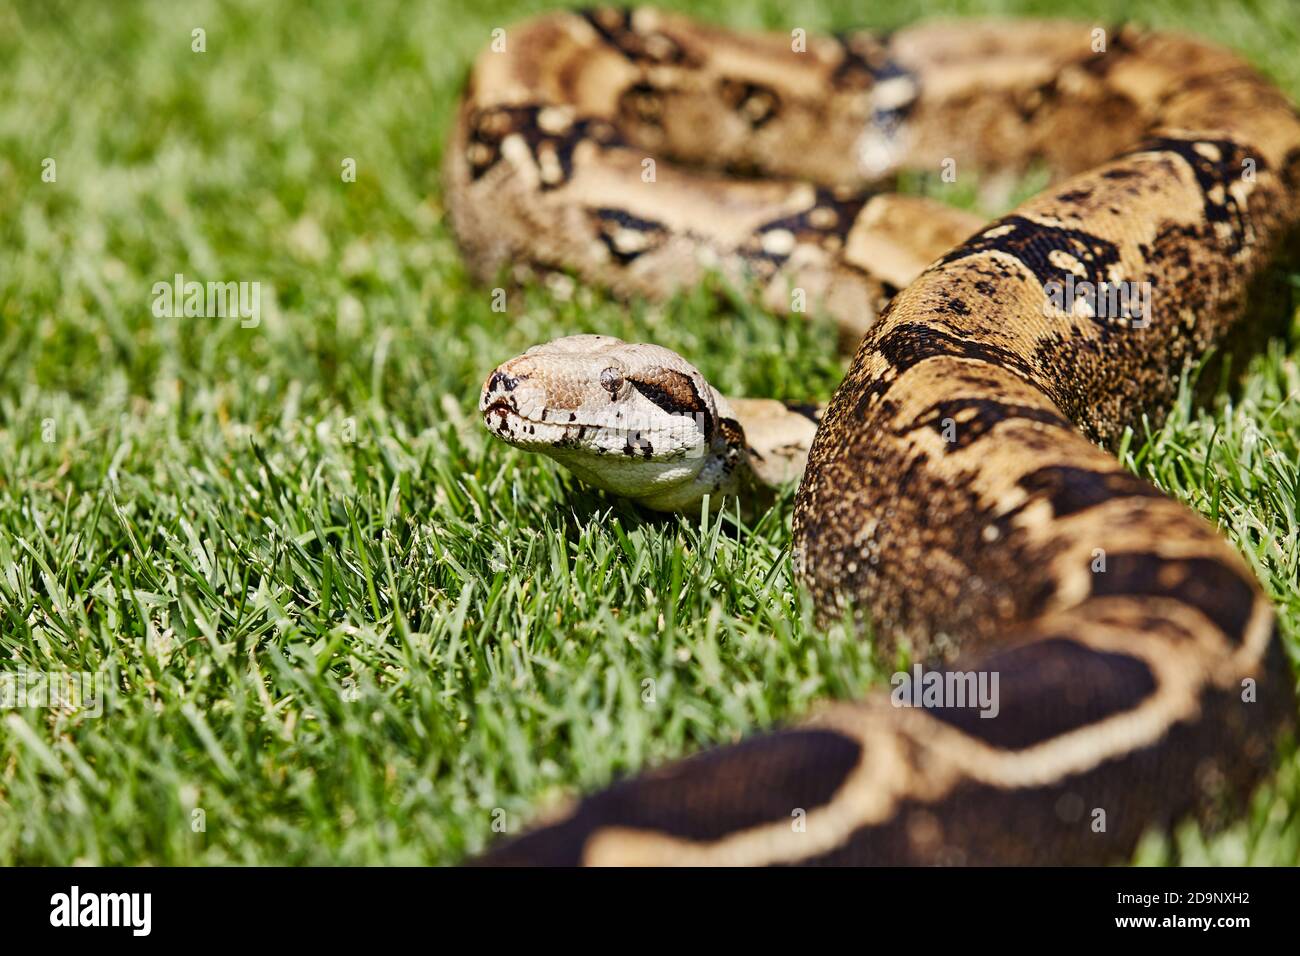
(958,491)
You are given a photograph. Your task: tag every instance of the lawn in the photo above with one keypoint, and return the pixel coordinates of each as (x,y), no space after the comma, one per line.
(332,621)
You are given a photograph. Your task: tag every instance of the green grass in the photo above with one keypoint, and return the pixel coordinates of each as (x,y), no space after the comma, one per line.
(330,612)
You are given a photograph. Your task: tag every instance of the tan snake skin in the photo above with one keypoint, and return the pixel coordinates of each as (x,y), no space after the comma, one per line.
(955,493)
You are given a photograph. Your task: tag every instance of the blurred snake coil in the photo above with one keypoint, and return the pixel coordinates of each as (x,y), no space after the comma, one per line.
(959,490)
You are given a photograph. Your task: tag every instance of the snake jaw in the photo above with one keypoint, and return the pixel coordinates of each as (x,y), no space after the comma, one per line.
(635,420)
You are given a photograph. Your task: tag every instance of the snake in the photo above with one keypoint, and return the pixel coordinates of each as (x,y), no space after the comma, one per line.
(961,490)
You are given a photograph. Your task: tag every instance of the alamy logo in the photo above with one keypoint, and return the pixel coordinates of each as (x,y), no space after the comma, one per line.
(75,908)
(77,691)
(1129,302)
(682,433)
(924,688)
(213,300)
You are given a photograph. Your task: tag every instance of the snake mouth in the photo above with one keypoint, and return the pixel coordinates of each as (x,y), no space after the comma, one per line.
(505,406)
(502,417)
(501,406)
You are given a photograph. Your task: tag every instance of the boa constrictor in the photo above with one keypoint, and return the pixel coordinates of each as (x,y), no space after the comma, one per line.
(957,490)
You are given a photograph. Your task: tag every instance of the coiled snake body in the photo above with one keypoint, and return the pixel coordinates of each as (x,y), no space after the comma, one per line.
(957,489)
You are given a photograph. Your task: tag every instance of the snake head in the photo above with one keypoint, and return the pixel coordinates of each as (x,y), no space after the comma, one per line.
(634,419)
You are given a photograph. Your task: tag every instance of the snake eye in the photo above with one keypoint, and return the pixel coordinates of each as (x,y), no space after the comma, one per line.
(611,379)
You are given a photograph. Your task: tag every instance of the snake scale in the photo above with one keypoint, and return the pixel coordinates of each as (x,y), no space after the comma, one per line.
(958,490)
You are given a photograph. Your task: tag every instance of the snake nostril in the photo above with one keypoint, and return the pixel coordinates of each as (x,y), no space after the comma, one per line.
(503,381)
